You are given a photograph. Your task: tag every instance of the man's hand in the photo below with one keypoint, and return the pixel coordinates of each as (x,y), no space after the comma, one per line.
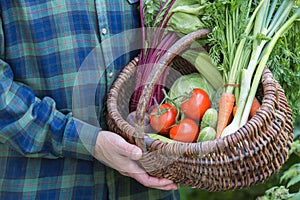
(114,151)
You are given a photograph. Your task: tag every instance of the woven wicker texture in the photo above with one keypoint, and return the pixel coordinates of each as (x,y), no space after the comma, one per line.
(247,157)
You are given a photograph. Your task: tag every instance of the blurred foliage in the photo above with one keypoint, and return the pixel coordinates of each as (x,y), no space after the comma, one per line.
(276,193)
(284,184)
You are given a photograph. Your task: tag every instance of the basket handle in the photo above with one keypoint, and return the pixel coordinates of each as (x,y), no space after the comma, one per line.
(161,65)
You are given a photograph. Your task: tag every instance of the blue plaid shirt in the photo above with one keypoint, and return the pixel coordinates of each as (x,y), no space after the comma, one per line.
(45,149)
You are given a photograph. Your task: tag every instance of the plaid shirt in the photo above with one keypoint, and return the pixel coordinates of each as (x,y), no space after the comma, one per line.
(43,45)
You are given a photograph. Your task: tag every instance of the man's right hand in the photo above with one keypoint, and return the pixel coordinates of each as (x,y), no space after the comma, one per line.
(114,151)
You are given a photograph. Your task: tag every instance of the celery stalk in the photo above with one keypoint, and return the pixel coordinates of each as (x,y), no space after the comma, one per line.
(263,62)
(265,55)
(265,35)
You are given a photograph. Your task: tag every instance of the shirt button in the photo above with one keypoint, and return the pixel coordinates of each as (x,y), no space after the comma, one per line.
(110,74)
(104,31)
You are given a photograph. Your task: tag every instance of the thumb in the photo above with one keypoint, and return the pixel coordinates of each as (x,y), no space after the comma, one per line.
(129,150)
(136,153)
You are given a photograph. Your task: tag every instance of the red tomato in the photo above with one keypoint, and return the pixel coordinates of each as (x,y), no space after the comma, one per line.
(195,106)
(161,119)
(186,131)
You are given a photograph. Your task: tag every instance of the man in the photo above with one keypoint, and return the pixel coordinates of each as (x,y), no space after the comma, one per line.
(46,151)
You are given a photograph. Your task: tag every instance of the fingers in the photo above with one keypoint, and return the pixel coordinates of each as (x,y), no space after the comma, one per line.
(141,176)
(153,182)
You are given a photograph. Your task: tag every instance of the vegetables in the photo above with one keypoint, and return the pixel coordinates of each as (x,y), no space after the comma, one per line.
(186,83)
(275,28)
(205,67)
(225,109)
(179,119)
(156,40)
(163,117)
(195,105)
(234,110)
(186,16)
(186,130)
(160,137)
(255,107)
(243,37)
(231,23)
(162,22)
(206,134)
(208,125)
(209,119)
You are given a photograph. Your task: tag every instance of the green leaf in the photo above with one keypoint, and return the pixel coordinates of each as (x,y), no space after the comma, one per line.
(296,145)
(296,196)
(185,23)
(276,193)
(292,172)
(194,9)
(294,180)
(285,65)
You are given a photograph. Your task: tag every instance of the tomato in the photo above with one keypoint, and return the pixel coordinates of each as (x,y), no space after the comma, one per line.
(195,106)
(186,131)
(161,118)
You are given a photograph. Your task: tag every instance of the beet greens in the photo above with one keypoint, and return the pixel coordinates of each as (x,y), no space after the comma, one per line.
(162,22)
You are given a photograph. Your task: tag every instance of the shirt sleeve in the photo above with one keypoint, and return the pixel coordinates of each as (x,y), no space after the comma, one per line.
(34,127)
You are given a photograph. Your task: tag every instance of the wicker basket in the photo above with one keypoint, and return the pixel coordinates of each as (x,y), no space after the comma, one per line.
(244,158)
